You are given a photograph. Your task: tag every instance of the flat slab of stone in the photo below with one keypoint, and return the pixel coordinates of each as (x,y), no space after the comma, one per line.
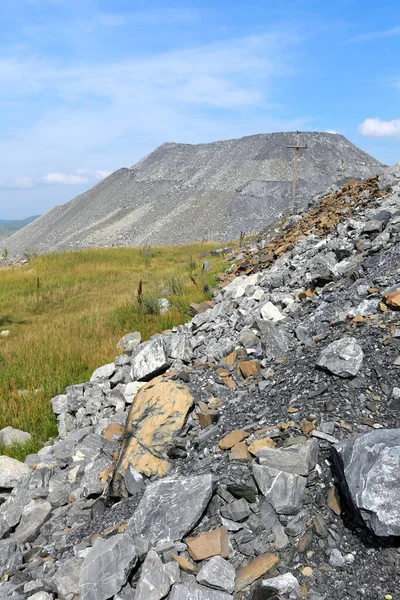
(170,508)
(106,567)
(299,459)
(211,543)
(34,515)
(368,470)
(157,414)
(104,372)
(254,570)
(343,357)
(11,471)
(196,592)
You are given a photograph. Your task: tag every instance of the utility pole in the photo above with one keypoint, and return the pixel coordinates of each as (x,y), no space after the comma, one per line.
(297,147)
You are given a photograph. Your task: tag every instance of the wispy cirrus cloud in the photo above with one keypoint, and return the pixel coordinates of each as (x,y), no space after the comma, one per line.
(376,128)
(375,35)
(81,176)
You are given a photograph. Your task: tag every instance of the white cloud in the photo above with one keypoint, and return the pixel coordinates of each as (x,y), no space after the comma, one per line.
(64,179)
(380,129)
(374,35)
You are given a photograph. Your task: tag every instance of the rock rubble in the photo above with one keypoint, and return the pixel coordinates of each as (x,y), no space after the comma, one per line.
(251,453)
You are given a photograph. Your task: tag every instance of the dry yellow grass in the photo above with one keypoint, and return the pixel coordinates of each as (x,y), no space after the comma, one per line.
(68,327)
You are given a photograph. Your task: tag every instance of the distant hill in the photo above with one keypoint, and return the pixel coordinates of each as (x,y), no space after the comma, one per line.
(7,228)
(182,193)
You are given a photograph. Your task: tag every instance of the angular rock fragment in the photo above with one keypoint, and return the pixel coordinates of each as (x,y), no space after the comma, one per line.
(285,491)
(149,360)
(34,515)
(157,414)
(106,567)
(170,508)
(368,470)
(254,570)
(274,340)
(217,573)
(211,543)
(11,472)
(129,342)
(343,357)
(196,592)
(155,579)
(286,585)
(270,312)
(232,438)
(104,372)
(299,458)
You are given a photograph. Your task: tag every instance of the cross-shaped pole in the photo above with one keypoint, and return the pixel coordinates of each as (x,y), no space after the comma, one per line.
(297,147)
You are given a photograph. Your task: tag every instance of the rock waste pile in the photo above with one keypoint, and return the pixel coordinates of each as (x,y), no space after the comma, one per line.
(249,454)
(183,193)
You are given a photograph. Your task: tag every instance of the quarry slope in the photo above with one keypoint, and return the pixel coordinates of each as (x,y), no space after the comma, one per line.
(182,193)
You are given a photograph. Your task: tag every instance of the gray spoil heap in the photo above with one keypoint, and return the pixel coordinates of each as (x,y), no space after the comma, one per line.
(249,454)
(183,193)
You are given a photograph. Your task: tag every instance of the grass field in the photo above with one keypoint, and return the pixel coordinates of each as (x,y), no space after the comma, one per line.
(61,331)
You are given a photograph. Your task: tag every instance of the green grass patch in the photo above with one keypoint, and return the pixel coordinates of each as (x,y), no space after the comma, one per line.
(66,311)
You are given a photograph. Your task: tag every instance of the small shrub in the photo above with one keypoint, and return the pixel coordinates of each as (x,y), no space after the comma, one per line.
(191,266)
(148,304)
(30,254)
(175,284)
(5,254)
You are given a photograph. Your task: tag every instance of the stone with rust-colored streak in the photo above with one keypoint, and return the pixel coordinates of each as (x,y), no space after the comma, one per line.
(257,445)
(254,570)
(157,414)
(232,438)
(211,543)
(249,367)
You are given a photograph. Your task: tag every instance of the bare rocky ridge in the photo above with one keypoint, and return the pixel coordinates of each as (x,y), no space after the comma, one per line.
(182,193)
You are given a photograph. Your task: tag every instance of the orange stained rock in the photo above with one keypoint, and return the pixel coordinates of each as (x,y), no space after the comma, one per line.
(240,453)
(157,414)
(235,436)
(266,442)
(211,543)
(254,570)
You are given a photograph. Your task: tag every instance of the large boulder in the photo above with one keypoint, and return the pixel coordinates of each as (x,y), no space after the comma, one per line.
(343,357)
(157,414)
(10,436)
(106,567)
(170,508)
(368,470)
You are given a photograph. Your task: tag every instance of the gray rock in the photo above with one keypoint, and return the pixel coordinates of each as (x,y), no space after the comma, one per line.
(285,491)
(170,508)
(11,471)
(59,404)
(106,567)
(34,515)
(180,347)
(274,341)
(102,373)
(155,579)
(66,579)
(41,596)
(323,268)
(281,540)
(150,359)
(134,481)
(343,357)
(336,558)
(236,511)
(164,305)
(10,556)
(299,459)
(196,592)
(217,573)
(286,585)
(270,312)
(368,469)
(129,342)
(10,436)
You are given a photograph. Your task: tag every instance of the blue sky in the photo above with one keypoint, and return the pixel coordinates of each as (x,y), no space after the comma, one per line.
(89,86)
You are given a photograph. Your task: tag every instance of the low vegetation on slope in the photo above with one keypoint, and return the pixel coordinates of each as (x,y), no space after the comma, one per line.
(65,312)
